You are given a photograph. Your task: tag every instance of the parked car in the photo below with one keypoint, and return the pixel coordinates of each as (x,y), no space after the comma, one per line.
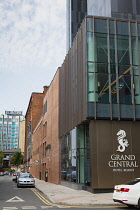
(25,179)
(6,173)
(128,193)
(1,173)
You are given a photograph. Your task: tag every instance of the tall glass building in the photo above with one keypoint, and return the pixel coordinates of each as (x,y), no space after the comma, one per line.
(77,9)
(100,104)
(9,130)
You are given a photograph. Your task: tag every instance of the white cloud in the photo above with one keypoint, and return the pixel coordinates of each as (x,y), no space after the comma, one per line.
(30,31)
(32,39)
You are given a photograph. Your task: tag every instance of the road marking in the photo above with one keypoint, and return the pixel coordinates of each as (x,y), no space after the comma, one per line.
(15,199)
(46,207)
(76,206)
(9,208)
(28,207)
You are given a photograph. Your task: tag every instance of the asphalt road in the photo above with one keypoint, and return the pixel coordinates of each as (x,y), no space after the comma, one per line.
(13,198)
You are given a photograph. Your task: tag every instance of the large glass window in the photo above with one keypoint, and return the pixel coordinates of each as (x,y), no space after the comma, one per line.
(90,50)
(101,48)
(112,48)
(90,24)
(100,26)
(111,27)
(113,89)
(122,28)
(123,50)
(124,87)
(102,87)
(134,50)
(91,87)
(133,29)
(75,155)
(113,73)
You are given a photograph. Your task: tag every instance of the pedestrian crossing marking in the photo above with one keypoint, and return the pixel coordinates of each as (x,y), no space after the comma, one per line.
(46,207)
(28,207)
(9,208)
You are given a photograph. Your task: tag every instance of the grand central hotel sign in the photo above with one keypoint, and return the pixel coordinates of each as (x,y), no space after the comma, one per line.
(121,162)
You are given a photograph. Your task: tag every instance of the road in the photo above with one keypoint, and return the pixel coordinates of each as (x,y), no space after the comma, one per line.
(13,198)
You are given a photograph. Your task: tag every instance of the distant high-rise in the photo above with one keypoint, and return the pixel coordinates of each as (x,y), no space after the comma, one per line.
(77,9)
(9,129)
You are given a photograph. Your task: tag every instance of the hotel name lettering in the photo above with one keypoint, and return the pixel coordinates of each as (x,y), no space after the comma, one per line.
(123,163)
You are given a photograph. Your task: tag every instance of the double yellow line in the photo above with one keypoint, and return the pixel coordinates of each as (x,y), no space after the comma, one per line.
(44,200)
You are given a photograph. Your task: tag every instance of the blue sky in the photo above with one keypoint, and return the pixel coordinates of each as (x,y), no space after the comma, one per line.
(32,47)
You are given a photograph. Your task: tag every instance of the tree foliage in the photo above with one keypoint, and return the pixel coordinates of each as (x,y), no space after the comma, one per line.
(1,157)
(16,159)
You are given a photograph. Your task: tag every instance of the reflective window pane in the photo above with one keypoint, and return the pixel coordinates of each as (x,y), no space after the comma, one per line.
(133,29)
(138,29)
(90,67)
(90,24)
(112,48)
(100,25)
(134,51)
(125,93)
(113,89)
(136,90)
(122,28)
(111,26)
(90,49)
(103,87)
(123,50)
(101,47)
(124,69)
(102,68)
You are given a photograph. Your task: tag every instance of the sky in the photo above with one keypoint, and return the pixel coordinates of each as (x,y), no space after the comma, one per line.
(32,47)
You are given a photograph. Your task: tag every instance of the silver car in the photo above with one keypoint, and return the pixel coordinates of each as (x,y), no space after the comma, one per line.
(25,179)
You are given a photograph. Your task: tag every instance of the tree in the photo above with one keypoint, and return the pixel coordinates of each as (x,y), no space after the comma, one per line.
(16,159)
(1,157)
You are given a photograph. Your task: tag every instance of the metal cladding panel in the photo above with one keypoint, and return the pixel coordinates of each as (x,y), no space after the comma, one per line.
(72,94)
(112,164)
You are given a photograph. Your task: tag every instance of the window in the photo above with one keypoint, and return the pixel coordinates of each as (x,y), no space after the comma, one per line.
(44,129)
(45,107)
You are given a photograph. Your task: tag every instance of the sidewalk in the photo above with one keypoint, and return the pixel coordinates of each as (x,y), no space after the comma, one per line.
(63,195)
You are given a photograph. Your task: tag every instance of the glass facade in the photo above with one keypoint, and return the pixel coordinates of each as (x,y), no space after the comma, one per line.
(99,83)
(9,132)
(77,9)
(112,67)
(75,156)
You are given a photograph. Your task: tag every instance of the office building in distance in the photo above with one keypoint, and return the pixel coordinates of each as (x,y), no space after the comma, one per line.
(9,129)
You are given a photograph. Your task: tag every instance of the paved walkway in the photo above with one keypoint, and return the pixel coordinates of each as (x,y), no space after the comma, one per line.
(64,195)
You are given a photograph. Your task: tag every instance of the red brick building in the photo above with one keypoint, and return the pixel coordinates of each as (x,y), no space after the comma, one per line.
(33,114)
(45,142)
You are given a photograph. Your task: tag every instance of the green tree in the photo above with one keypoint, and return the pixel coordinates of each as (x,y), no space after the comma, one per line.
(16,159)
(1,157)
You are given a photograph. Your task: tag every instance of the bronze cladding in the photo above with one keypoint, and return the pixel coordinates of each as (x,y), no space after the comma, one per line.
(73,85)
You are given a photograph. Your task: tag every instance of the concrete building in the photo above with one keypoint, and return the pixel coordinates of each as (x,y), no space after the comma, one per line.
(33,114)
(78,9)
(99,105)
(45,140)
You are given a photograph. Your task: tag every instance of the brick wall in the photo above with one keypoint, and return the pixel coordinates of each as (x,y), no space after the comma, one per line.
(45,137)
